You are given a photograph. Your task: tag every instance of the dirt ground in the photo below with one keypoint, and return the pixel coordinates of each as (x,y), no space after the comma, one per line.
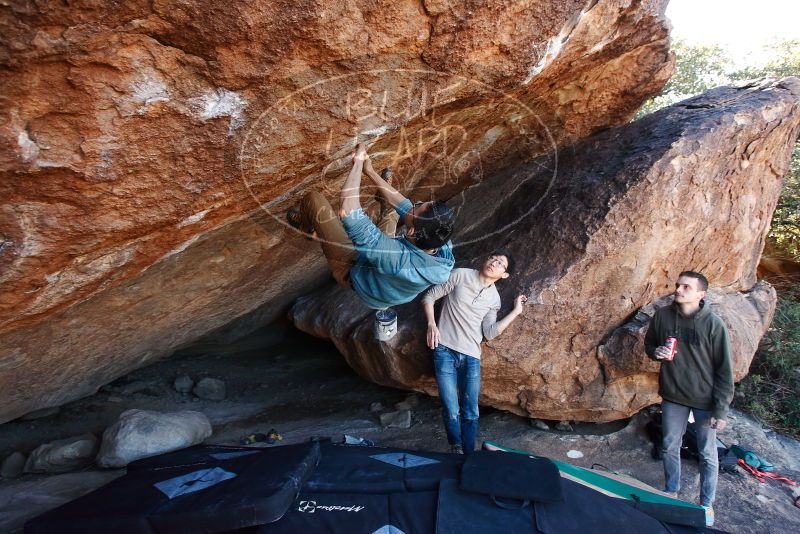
(301,387)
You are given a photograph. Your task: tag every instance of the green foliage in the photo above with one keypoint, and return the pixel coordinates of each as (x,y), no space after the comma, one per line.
(772,389)
(785,229)
(697,69)
(785,61)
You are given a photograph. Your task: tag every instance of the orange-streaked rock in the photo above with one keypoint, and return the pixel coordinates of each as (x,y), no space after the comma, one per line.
(138,141)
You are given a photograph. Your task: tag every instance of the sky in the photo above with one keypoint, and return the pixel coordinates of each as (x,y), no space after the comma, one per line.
(740,26)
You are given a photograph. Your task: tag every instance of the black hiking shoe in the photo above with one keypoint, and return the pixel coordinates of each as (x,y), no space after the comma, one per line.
(295,220)
(386,174)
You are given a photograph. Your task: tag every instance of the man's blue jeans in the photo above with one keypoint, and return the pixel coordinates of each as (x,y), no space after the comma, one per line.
(459,380)
(673,420)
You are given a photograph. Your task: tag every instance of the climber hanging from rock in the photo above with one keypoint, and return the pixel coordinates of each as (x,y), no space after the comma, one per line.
(382,269)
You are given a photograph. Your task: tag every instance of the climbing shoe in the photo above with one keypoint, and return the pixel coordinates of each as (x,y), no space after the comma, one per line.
(709,515)
(295,220)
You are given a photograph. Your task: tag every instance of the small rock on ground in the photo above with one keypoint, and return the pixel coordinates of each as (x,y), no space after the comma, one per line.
(564,426)
(63,455)
(183,384)
(13,465)
(136,387)
(539,424)
(210,389)
(399,419)
(403,405)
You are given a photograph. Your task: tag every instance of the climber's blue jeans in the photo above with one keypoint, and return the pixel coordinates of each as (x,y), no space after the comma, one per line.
(459,380)
(673,420)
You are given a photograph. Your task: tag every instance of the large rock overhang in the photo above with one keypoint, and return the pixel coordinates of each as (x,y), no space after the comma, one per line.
(149,151)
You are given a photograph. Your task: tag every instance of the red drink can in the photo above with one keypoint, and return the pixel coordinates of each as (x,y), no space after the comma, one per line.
(672,344)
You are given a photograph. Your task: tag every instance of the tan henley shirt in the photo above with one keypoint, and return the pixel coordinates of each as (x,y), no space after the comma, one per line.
(469,312)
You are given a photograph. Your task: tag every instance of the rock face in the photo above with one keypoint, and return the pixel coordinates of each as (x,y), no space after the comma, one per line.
(692,186)
(148,151)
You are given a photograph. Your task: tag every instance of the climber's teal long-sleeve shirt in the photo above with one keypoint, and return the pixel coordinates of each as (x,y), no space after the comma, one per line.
(392,270)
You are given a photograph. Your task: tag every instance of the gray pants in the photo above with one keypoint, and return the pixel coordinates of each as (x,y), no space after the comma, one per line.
(673,420)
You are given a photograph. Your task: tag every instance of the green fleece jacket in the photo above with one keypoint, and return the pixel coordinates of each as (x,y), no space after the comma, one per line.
(700,376)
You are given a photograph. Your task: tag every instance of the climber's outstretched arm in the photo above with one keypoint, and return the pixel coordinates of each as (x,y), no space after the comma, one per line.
(389,193)
(351,191)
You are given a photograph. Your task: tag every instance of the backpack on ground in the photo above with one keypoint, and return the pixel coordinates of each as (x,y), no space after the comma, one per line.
(689,449)
(751,459)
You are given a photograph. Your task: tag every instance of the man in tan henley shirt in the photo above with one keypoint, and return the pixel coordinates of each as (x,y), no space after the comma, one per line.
(469,314)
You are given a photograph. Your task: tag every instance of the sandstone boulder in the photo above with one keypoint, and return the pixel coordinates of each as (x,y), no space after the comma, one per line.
(398,419)
(63,455)
(779,268)
(148,151)
(691,186)
(142,433)
(210,388)
(13,465)
(183,384)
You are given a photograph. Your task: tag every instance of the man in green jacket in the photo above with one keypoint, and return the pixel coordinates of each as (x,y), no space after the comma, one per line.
(696,377)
